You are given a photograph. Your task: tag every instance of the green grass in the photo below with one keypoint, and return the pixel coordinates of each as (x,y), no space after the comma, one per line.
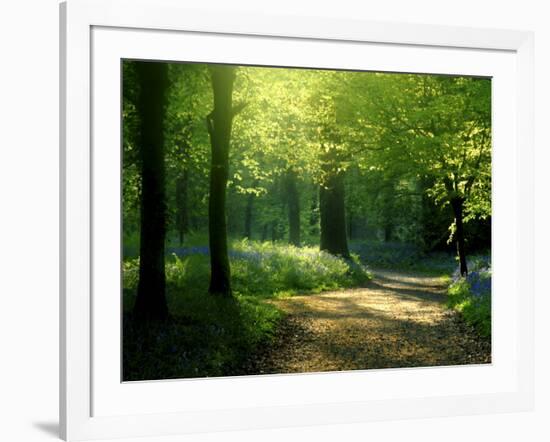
(204,336)
(475,309)
(214,336)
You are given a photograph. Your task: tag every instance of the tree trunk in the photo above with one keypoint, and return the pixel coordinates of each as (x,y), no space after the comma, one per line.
(248,212)
(151,297)
(248,216)
(333,219)
(388,231)
(182,221)
(273,231)
(350,225)
(458,205)
(293,200)
(219,123)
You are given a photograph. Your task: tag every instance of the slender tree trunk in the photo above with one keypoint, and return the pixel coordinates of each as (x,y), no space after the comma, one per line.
(333,219)
(458,206)
(293,200)
(182,220)
(388,230)
(151,297)
(350,225)
(273,231)
(388,212)
(248,213)
(248,216)
(219,127)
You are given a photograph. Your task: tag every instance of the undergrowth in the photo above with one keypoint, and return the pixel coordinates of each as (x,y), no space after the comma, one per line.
(210,335)
(395,255)
(471,295)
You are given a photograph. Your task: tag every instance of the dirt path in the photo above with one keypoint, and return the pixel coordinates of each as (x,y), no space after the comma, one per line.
(398,320)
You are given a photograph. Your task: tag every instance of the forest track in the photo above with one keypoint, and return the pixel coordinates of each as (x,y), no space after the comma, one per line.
(398,320)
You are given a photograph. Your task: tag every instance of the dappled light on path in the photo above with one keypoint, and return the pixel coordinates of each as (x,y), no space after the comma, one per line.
(398,320)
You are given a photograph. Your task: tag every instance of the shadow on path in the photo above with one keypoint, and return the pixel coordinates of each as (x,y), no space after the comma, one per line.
(398,320)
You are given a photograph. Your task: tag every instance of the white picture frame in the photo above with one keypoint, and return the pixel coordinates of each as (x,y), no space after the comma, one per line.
(91,405)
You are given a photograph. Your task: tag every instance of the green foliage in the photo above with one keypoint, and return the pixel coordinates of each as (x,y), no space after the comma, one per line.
(404,144)
(204,336)
(271,269)
(261,270)
(407,144)
(210,335)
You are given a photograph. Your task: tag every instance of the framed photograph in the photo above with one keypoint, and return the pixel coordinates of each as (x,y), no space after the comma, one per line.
(276,221)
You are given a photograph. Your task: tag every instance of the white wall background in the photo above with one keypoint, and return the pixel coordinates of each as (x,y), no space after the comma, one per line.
(29,207)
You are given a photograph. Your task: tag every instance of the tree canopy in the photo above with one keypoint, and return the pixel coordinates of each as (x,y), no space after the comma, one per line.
(315,157)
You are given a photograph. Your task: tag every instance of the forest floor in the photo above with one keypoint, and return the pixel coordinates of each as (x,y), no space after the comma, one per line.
(398,320)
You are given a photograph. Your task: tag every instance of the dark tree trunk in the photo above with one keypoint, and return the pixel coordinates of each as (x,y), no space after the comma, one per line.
(293,200)
(273,231)
(151,297)
(350,225)
(248,216)
(388,211)
(388,231)
(458,206)
(264,232)
(333,219)
(248,211)
(219,123)
(182,218)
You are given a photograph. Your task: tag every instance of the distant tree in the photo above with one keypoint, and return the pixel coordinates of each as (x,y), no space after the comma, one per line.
(187,146)
(248,212)
(182,207)
(456,146)
(293,205)
(438,129)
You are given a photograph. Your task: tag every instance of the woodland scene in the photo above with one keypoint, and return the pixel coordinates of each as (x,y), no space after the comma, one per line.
(289,220)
